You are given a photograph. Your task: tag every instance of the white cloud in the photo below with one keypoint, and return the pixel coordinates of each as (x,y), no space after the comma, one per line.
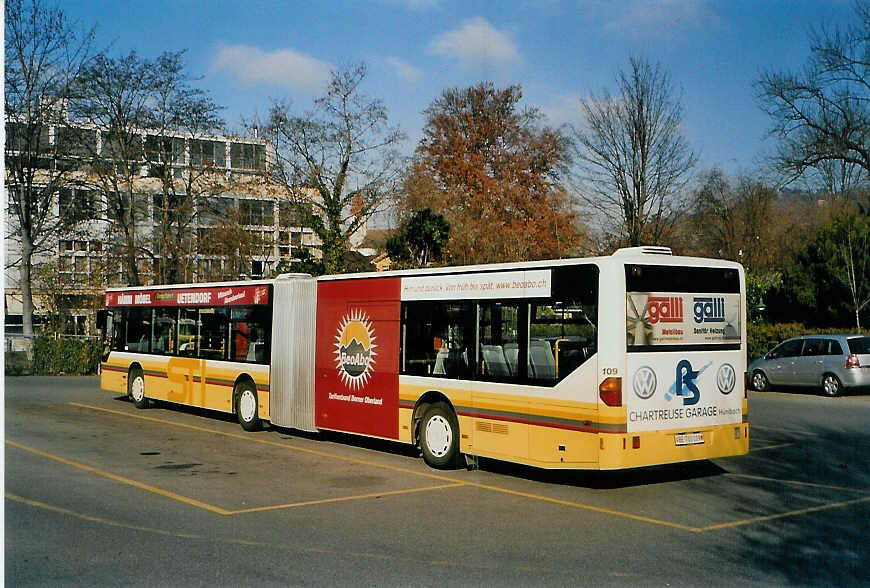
(476,42)
(563,109)
(658,18)
(404,69)
(283,67)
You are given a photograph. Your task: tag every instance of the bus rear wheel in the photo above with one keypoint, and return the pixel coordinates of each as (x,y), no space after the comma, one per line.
(136,388)
(246,406)
(439,437)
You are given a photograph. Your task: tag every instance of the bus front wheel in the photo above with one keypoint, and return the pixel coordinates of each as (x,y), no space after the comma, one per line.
(246,406)
(439,436)
(136,389)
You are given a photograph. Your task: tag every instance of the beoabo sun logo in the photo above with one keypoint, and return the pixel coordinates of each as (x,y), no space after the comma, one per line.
(355,349)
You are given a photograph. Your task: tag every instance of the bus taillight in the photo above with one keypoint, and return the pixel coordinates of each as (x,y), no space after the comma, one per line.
(610,391)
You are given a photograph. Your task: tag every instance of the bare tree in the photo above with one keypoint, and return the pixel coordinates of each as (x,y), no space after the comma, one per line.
(230,240)
(145,111)
(822,114)
(632,158)
(178,141)
(731,220)
(338,162)
(43,53)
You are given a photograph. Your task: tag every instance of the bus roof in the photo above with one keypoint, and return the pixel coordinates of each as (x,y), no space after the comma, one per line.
(641,255)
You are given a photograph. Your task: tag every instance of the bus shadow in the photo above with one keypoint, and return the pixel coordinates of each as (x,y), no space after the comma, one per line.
(592,479)
(215,415)
(606,479)
(380,445)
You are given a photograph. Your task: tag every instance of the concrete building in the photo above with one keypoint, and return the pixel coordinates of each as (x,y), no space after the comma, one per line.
(240,224)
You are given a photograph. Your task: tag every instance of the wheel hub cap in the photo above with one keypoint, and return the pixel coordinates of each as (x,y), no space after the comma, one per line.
(247,405)
(438,436)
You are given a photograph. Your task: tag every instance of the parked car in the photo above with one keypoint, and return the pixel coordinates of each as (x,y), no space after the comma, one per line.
(832,362)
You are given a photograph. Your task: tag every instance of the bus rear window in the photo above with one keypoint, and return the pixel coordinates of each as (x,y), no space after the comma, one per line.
(668,278)
(679,308)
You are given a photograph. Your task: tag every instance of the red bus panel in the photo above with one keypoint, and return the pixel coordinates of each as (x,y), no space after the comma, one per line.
(357,356)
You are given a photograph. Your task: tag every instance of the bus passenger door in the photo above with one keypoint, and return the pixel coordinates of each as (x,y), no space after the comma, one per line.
(499,400)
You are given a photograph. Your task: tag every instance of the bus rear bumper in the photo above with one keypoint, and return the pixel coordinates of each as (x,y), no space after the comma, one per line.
(633,450)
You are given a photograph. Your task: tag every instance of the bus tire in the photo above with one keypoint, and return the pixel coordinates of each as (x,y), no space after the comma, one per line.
(760,382)
(136,388)
(831,385)
(439,437)
(246,406)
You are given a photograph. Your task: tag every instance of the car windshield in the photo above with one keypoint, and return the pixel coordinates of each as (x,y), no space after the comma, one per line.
(859,345)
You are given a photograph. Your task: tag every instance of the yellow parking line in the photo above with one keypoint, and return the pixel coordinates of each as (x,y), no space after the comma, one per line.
(777,429)
(252,439)
(791,513)
(100,520)
(798,483)
(346,498)
(122,479)
(780,445)
(452,482)
(589,507)
(217,509)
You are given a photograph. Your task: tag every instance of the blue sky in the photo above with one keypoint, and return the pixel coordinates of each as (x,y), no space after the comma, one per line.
(249,52)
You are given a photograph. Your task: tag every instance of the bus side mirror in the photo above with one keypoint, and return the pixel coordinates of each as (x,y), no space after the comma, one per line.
(102,314)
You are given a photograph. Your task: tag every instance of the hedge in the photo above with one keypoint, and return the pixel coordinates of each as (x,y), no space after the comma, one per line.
(74,357)
(761,338)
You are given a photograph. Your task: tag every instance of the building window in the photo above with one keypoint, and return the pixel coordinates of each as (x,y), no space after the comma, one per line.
(247,156)
(76,205)
(74,142)
(257,212)
(207,153)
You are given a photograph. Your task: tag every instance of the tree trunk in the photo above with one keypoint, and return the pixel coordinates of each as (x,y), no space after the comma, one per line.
(26,275)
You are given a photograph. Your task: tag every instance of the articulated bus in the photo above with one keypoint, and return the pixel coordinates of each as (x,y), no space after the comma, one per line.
(630,360)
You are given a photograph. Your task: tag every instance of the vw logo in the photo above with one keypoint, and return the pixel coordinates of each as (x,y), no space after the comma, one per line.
(644,382)
(726,378)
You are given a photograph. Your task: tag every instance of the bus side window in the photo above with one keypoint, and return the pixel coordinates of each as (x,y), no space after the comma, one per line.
(248,339)
(187,332)
(435,339)
(138,330)
(213,333)
(119,330)
(500,332)
(163,338)
(567,323)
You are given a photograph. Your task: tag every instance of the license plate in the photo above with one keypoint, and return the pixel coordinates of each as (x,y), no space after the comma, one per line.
(689,438)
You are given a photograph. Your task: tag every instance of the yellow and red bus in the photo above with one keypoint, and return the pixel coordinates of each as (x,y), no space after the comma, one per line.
(629,360)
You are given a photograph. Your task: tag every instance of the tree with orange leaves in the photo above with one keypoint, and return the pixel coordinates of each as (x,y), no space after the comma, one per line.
(493,171)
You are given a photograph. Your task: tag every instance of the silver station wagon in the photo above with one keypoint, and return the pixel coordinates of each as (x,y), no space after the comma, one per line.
(833,362)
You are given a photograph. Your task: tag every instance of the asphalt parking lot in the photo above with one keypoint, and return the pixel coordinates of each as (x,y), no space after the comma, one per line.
(98,492)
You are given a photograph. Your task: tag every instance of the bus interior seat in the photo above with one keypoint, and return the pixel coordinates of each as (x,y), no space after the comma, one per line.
(494,360)
(541,359)
(440,368)
(451,362)
(511,355)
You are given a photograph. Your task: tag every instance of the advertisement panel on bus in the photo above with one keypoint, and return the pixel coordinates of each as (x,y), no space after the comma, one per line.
(219,296)
(697,382)
(668,318)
